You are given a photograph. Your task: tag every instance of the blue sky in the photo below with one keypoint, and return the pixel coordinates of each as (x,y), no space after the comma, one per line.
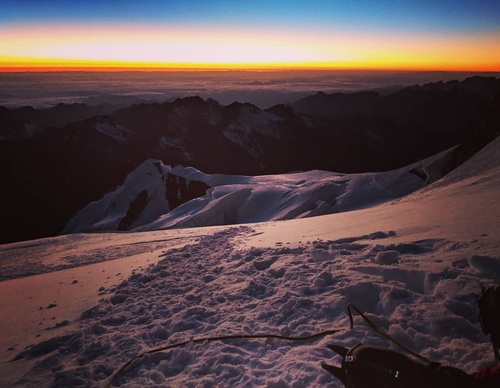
(439,15)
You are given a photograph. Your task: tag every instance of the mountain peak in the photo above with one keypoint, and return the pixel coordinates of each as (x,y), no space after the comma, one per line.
(151,190)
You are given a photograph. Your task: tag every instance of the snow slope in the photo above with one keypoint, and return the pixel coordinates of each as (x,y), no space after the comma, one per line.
(413,265)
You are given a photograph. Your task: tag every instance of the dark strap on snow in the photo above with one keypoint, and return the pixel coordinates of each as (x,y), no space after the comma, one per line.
(383,333)
(109,382)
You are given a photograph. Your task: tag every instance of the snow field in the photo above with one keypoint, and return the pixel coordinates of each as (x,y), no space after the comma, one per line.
(210,289)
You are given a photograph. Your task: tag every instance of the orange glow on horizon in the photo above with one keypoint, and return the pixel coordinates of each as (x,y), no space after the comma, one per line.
(153,48)
(222,67)
(102,66)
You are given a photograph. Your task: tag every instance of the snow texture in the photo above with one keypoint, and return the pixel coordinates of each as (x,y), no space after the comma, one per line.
(412,265)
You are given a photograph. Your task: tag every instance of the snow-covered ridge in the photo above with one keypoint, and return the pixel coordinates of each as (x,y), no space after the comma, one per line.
(289,196)
(157,196)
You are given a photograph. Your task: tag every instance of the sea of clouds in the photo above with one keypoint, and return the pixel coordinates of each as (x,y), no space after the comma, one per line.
(262,88)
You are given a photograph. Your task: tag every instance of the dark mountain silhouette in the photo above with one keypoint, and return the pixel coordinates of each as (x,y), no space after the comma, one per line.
(27,122)
(56,161)
(487,130)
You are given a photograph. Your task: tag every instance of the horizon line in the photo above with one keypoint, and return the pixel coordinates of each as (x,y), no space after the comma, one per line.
(111,66)
(166,69)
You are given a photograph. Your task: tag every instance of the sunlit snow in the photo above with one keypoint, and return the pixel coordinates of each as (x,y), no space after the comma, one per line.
(235,199)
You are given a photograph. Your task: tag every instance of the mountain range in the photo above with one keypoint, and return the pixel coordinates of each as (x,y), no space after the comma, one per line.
(57,161)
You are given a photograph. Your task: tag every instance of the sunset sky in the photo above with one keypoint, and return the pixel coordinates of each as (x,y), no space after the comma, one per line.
(158,34)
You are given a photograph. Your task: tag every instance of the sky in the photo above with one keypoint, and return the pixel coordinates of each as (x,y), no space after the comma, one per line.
(384,34)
